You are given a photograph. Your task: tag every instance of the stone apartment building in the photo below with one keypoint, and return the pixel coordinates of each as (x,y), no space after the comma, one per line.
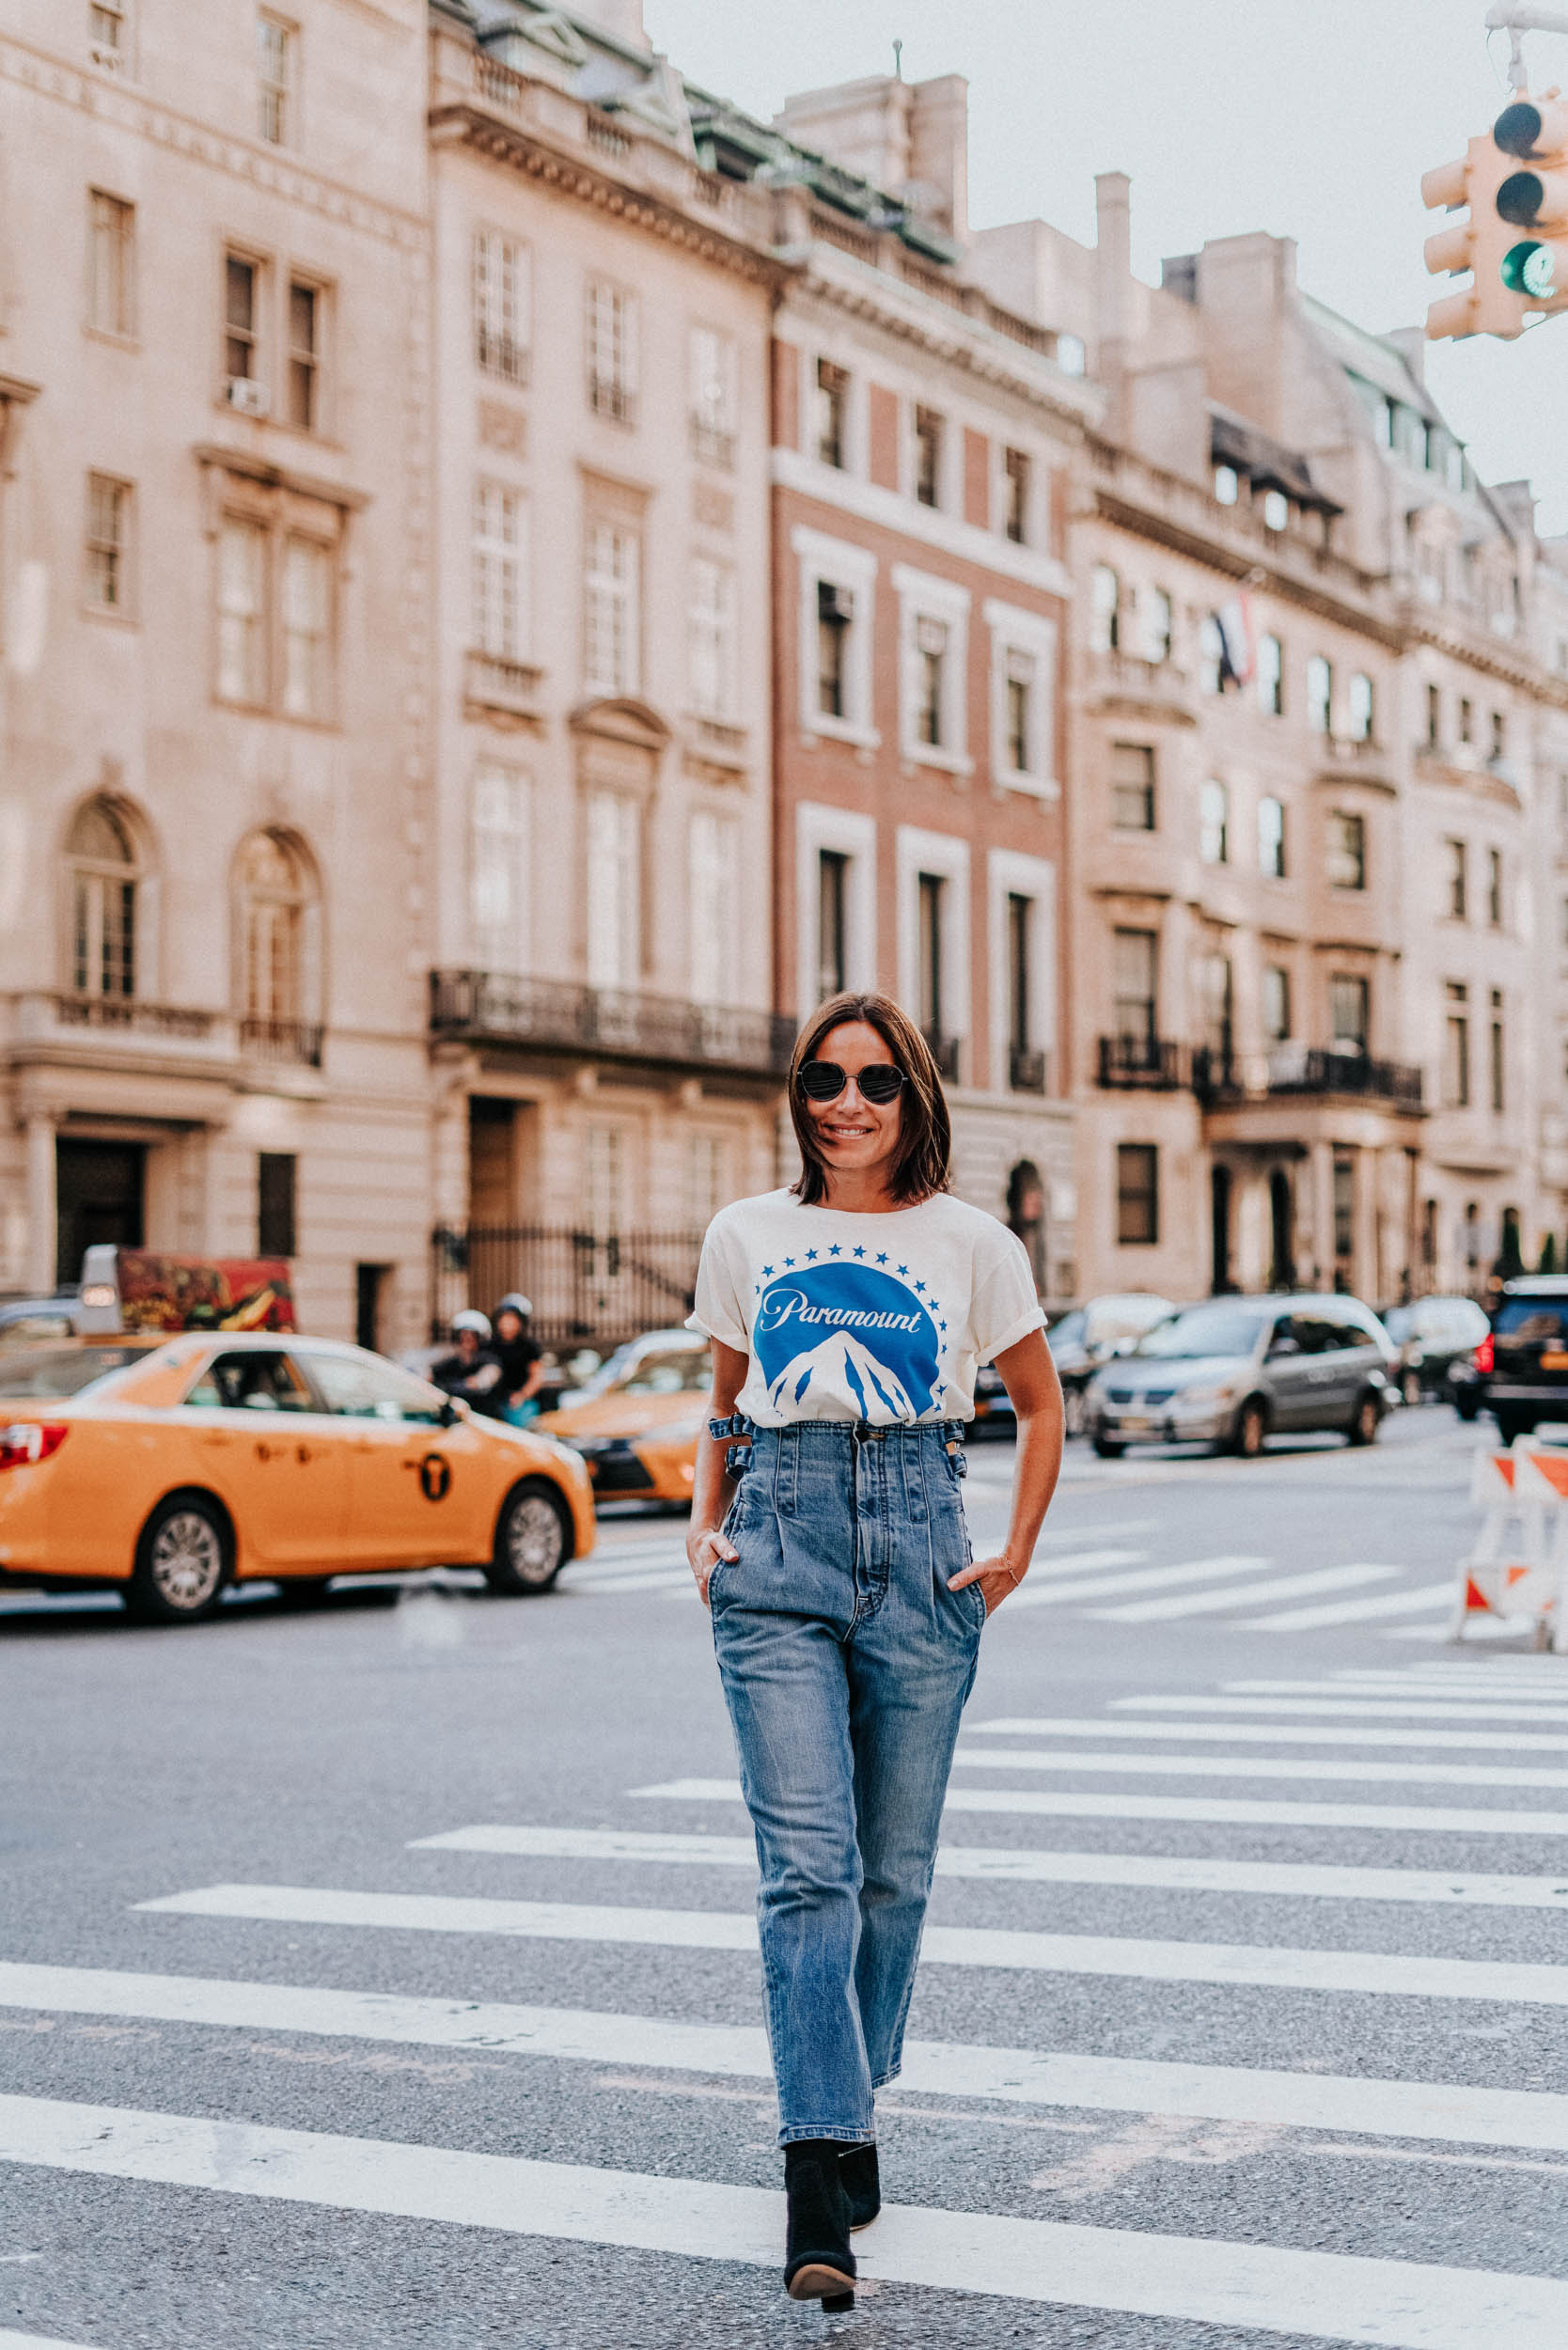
(215,442)
(605,1054)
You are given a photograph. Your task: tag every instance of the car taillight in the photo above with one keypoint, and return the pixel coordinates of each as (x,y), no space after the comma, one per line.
(30,1440)
(1481,1359)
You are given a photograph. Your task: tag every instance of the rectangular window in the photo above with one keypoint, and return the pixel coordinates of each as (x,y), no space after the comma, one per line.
(106,30)
(111,264)
(707,1179)
(603,1175)
(276,1173)
(1137,1197)
(307,628)
(1020,920)
(831,923)
(712,639)
(835,618)
(1018,685)
(1015,472)
(242,612)
(1226,485)
(715,975)
(931,660)
(1276,1004)
(1104,611)
(612,632)
(1349,1013)
(498,869)
(497,616)
(1456,1046)
(1214,824)
(831,415)
(274,80)
(713,395)
(1435,719)
(1271,838)
(1211,655)
(1320,695)
(107,541)
(1276,510)
(929,907)
(241,317)
(305,355)
(1498,1057)
(501,295)
(614,890)
(1133,787)
(1456,894)
(1499,735)
(1217,994)
(104,934)
(1466,716)
(1159,625)
(1345,1208)
(611,316)
(1495,888)
(1347,851)
(1363,707)
(1271,676)
(1133,968)
(927,457)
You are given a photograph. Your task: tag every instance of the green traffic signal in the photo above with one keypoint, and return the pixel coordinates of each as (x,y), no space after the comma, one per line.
(1530,268)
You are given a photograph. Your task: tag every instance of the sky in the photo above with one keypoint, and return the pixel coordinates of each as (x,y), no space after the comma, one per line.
(1311,118)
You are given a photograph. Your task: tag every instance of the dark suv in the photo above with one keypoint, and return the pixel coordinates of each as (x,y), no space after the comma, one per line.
(1523,1364)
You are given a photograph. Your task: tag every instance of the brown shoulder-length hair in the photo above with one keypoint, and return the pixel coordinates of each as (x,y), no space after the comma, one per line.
(925,1137)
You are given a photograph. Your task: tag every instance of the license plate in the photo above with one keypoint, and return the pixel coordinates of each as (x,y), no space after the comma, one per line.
(1554,1358)
(1137,1424)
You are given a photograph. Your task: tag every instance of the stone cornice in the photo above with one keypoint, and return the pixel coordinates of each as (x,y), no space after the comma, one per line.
(276,170)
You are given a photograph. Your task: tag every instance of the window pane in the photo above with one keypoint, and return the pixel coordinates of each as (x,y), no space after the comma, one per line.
(1138,1194)
(239,316)
(1347,851)
(274,58)
(500,297)
(831,923)
(1133,971)
(1277,1003)
(241,559)
(498,869)
(832,397)
(1214,839)
(610,650)
(1133,787)
(307,628)
(1271,838)
(362,1387)
(714,885)
(1347,1013)
(303,353)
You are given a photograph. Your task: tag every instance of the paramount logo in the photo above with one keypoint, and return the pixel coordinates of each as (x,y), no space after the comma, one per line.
(782,1306)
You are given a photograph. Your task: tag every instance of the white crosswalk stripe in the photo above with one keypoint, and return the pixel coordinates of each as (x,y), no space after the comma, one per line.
(1422,1601)
(1374,1971)
(34,2341)
(1046,1593)
(1368,1709)
(1196,2280)
(1268,1767)
(1004,1863)
(1285,1735)
(1237,1812)
(1213,1602)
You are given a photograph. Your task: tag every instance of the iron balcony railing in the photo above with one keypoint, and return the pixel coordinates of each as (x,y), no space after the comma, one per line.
(586,1288)
(493,1006)
(1025,1069)
(297,1041)
(945,1050)
(1294,1069)
(1157,1063)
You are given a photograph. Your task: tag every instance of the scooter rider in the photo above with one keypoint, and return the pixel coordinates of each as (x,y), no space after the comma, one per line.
(521,1357)
(472,1370)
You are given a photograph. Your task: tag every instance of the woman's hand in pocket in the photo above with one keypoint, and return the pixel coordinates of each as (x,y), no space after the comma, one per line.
(996,1577)
(705,1548)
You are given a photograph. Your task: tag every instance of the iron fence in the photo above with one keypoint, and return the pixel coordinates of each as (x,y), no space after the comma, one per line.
(588,1288)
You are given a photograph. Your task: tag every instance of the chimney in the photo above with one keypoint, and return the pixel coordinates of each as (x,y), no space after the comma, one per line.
(1113,270)
(910,139)
(621,19)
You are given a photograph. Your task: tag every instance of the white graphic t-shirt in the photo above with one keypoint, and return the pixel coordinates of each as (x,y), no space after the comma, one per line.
(879,1318)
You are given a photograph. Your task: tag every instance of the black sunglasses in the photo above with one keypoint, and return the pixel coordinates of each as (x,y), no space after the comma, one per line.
(824,1081)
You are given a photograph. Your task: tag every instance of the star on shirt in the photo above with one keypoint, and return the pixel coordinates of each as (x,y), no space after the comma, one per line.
(904,1268)
(860,1253)
(767,1273)
(788,1260)
(944,1329)
(883,1258)
(834,1250)
(810,1256)
(919,1284)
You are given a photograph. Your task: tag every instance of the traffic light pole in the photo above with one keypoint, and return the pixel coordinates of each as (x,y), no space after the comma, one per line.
(1514,17)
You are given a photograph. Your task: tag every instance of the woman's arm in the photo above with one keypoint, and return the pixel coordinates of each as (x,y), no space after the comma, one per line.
(1030,1379)
(713,1489)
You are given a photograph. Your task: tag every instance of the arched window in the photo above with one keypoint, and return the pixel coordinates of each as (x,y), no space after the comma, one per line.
(104,876)
(279,950)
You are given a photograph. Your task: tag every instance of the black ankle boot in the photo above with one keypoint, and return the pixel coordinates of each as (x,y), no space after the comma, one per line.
(818,2263)
(858,2176)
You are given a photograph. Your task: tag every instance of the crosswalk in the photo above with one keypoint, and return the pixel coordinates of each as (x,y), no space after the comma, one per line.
(1301,1925)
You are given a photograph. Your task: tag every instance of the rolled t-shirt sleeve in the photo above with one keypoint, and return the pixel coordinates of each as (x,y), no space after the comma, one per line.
(720,1312)
(1006,1308)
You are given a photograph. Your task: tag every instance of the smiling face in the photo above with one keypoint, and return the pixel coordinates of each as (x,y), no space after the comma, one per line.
(854,1136)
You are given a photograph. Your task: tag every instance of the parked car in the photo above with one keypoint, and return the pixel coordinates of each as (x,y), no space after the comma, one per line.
(1235,1371)
(1093,1334)
(1433,1334)
(1521,1365)
(635,1422)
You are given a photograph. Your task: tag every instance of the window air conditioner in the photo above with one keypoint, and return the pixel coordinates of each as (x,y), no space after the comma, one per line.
(249,397)
(834,603)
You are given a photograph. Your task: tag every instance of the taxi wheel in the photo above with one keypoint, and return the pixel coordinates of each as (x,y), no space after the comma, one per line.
(533,1541)
(181,1561)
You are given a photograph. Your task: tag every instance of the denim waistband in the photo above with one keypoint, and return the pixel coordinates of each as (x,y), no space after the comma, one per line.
(833,1440)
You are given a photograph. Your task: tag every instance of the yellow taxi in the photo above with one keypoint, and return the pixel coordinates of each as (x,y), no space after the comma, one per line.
(224,1457)
(637,1422)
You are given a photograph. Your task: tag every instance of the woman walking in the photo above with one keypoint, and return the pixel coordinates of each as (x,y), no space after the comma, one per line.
(848,1316)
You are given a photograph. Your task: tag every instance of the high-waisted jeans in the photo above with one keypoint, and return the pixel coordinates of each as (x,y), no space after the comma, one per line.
(846,1662)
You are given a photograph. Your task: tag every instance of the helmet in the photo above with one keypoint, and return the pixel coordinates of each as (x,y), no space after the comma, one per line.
(515,1303)
(470,1319)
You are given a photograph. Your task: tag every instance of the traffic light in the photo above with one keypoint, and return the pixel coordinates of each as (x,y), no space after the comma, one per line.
(1488,306)
(1535,132)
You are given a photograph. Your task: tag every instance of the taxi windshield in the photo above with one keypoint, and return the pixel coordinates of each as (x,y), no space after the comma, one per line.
(60,1370)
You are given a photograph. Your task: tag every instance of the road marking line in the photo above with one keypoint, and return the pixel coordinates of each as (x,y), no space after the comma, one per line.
(1223,1811)
(1268,1767)
(1158,1961)
(1398,2305)
(1049,1595)
(1434,2111)
(1362,1709)
(1116,1526)
(1276,1586)
(1277,1735)
(662,1579)
(1005,1864)
(1424,1600)
(1078,1562)
(35,2341)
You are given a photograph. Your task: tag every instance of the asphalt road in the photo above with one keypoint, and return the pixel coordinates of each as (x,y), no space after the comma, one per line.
(1242,2019)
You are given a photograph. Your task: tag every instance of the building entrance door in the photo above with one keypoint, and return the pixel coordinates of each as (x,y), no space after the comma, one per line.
(1281,1233)
(1219,1217)
(99,1190)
